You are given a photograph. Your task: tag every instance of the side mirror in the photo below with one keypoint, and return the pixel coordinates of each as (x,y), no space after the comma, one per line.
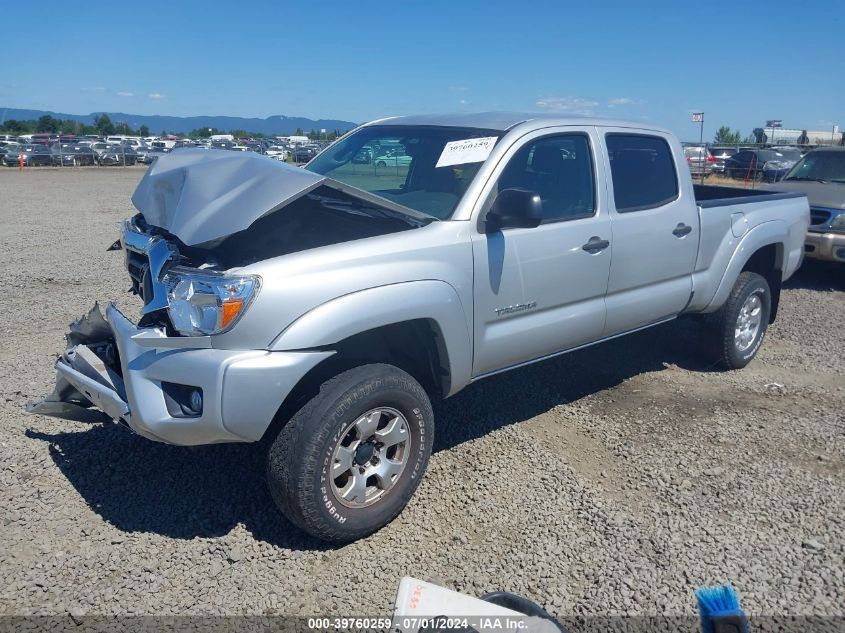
(514,208)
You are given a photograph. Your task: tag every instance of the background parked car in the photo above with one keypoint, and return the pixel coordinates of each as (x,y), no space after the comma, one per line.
(790,155)
(35,154)
(821,175)
(392,157)
(277,152)
(363,157)
(152,154)
(73,155)
(8,146)
(720,155)
(303,154)
(142,152)
(758,164)
(118,155)
(699,161)
(100,147)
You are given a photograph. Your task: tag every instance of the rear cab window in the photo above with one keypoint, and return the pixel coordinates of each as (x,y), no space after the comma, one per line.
(642,171)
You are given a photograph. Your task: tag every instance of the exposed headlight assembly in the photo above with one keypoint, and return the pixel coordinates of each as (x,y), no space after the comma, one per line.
(202,303)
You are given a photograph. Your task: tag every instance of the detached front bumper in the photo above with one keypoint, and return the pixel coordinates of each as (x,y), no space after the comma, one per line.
(113,369)
(828,247)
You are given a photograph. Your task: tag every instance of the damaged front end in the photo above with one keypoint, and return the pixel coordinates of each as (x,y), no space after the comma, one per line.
(89,385)
(204,218)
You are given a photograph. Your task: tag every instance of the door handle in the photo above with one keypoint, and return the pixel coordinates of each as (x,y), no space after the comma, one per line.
(595,245)
(682,229)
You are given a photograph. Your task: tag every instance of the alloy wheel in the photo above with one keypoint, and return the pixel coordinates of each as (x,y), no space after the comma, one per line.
(369,457)
(748,322)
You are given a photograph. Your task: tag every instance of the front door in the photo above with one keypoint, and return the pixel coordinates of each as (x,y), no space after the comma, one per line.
(540,291)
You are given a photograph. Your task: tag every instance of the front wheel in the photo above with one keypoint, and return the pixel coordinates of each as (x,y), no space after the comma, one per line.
(741,323)
(348,462)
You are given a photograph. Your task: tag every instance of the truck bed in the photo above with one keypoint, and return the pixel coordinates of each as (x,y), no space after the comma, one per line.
(719,196)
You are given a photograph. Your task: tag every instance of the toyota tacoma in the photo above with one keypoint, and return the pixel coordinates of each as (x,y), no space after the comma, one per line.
(322,309)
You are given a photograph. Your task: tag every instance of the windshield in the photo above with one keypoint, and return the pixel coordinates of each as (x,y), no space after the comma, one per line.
(821,166)
(410,165)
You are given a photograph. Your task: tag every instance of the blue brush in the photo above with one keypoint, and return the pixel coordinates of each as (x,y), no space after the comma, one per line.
(720,611)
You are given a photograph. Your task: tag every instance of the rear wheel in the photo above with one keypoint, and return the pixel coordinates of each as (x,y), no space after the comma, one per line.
(740,325)
(348,462)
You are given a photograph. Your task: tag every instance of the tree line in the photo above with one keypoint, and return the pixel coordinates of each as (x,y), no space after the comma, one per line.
(725,136)
(104,126)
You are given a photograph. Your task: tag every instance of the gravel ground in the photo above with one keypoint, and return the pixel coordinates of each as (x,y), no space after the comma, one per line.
(609,481)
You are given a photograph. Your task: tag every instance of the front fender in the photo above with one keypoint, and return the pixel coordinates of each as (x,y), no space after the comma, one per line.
(765,234)
(358,312)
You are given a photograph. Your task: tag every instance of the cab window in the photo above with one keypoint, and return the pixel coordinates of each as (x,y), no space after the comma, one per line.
(642,170)
(560,170)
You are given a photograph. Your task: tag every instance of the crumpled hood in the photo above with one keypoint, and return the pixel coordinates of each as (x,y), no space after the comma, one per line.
(829,195)
(200,195)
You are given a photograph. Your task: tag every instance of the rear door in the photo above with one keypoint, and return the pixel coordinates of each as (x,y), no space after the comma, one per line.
(539,291)
(655,229)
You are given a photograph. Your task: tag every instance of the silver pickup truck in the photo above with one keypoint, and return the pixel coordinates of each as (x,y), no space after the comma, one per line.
(320,309)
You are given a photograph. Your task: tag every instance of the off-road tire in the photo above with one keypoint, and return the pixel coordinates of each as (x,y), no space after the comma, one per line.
(723,322)
(300,456)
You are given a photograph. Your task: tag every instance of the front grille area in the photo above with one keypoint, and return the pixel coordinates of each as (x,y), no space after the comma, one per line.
(147,256)
(819,216)
(137,265)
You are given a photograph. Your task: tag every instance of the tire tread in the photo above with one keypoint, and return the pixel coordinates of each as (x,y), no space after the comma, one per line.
(724,319)
(294,455)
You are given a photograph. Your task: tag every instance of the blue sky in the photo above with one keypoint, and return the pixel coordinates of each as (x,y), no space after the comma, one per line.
(653,61)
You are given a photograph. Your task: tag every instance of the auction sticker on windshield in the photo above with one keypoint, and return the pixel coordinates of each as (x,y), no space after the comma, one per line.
(471,150)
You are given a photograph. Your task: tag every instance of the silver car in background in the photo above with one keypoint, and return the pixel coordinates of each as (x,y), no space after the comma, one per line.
(699,161)
(720,155)
(118,155)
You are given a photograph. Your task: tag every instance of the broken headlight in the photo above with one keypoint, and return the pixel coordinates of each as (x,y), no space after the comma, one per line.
(202,303)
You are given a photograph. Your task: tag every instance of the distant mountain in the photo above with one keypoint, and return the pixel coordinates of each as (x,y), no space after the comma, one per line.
(277,124)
